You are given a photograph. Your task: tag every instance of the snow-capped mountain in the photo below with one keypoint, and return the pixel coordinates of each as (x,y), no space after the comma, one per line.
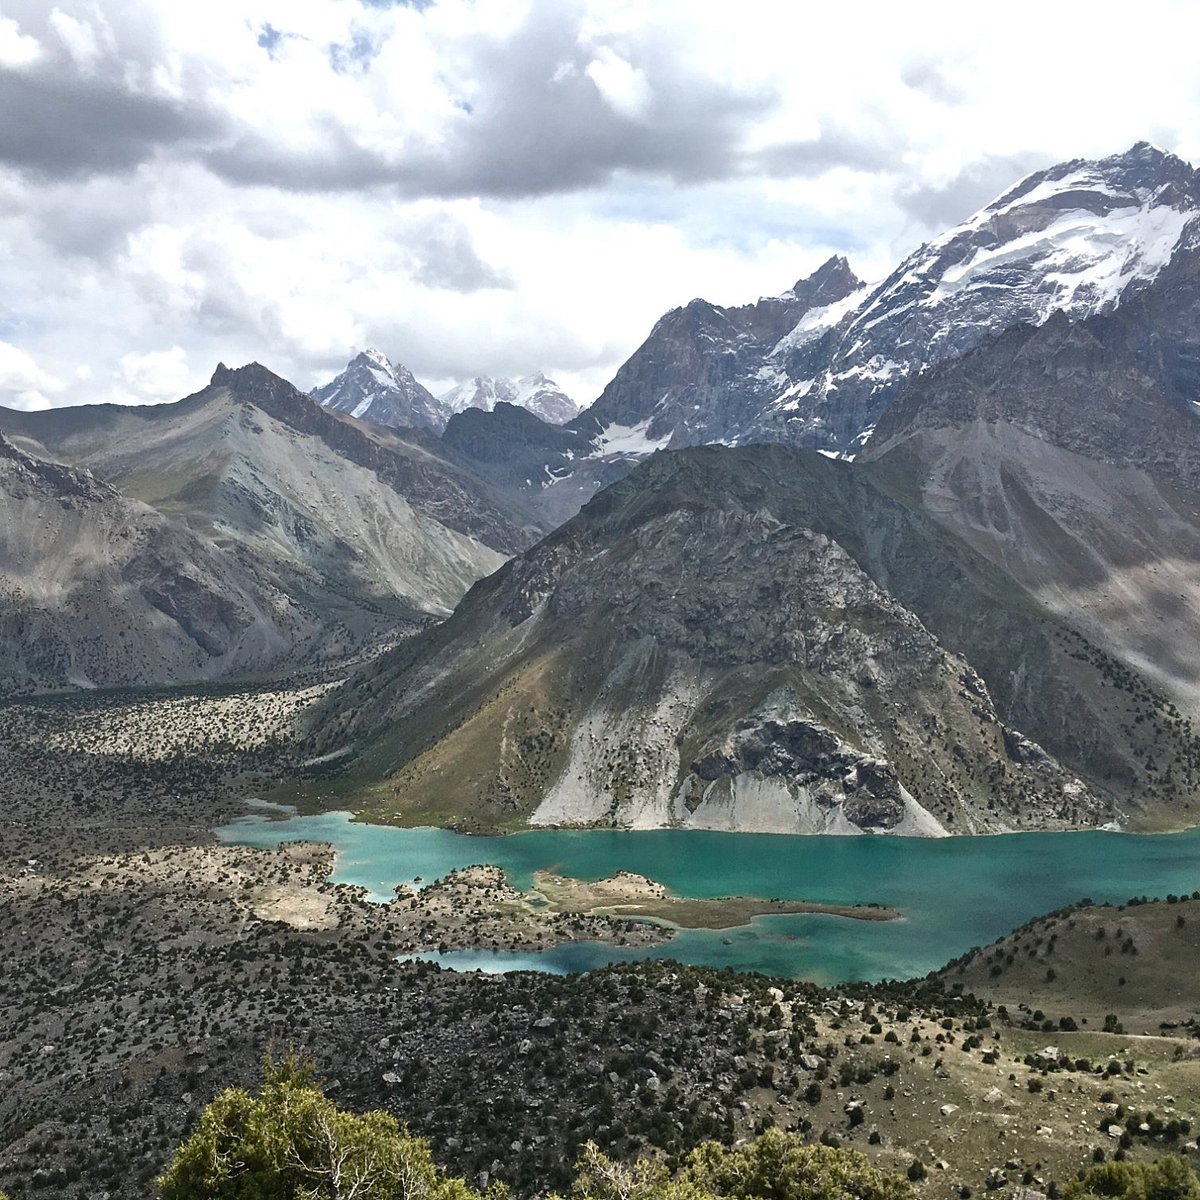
(541,396)
(381,392)
(1078,238)
(817,366)
(374,389)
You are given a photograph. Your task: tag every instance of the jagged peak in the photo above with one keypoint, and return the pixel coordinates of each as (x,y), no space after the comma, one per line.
(253,374)
(832,281)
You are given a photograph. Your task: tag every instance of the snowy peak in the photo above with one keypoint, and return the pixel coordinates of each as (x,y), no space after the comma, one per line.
(1075,235)
(540,395)
(1141,174)
(1077,238)
(375,389)
(544,398)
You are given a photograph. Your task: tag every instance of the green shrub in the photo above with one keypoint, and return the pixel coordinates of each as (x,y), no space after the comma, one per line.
(1166,1178)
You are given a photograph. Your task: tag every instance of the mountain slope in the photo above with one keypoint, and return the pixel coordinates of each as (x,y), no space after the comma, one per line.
(99,590)
(374,389)
(364,531)
(756,639)
(1069,455)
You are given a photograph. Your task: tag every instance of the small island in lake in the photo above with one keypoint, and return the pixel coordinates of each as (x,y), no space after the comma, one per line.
(632,896)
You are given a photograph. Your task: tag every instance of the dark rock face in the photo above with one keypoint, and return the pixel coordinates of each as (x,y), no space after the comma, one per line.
(696,377)
(26,475)
(805,754)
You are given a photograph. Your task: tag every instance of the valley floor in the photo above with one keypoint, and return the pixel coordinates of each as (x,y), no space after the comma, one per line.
(144,966)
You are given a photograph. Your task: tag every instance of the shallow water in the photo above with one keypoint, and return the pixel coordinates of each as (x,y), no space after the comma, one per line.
(955,893)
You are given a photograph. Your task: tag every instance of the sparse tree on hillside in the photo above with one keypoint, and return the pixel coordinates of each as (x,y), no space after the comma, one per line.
(290,1142)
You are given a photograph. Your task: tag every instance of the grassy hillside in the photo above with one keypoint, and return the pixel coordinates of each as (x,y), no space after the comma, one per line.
(1135,961)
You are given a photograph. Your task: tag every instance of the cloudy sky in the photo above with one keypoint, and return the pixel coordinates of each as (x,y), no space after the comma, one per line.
(502,186)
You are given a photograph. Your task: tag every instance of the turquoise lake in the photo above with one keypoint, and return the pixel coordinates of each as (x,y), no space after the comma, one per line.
(955,893)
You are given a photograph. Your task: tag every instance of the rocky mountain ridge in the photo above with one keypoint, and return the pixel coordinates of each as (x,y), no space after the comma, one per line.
(353,536)
(756,639)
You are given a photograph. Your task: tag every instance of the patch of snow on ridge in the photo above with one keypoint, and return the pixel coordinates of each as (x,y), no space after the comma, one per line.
(1089,258)
(628,439)
(817,320)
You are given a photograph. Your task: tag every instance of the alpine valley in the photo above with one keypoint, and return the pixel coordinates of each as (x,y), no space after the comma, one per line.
(920,558)
(916,558)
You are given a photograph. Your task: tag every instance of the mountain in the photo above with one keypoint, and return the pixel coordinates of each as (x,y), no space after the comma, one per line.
(819,365)
(361,531)
(753,639)
(100,590)
(374,389)
(1079,238)
(539,395)
(698,376)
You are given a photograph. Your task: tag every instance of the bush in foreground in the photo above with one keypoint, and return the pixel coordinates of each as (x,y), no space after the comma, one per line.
(1166,1178)
(291,1142)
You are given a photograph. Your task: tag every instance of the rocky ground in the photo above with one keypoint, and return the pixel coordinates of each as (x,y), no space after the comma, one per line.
(144,966)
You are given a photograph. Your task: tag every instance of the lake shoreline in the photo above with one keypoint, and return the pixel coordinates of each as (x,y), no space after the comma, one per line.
(951,894)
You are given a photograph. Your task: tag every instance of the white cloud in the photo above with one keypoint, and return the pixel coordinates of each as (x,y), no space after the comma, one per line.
(31,401)
(79,38)
(22,381)
(512,186)
(154,377)
(623,86)
(17,49)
